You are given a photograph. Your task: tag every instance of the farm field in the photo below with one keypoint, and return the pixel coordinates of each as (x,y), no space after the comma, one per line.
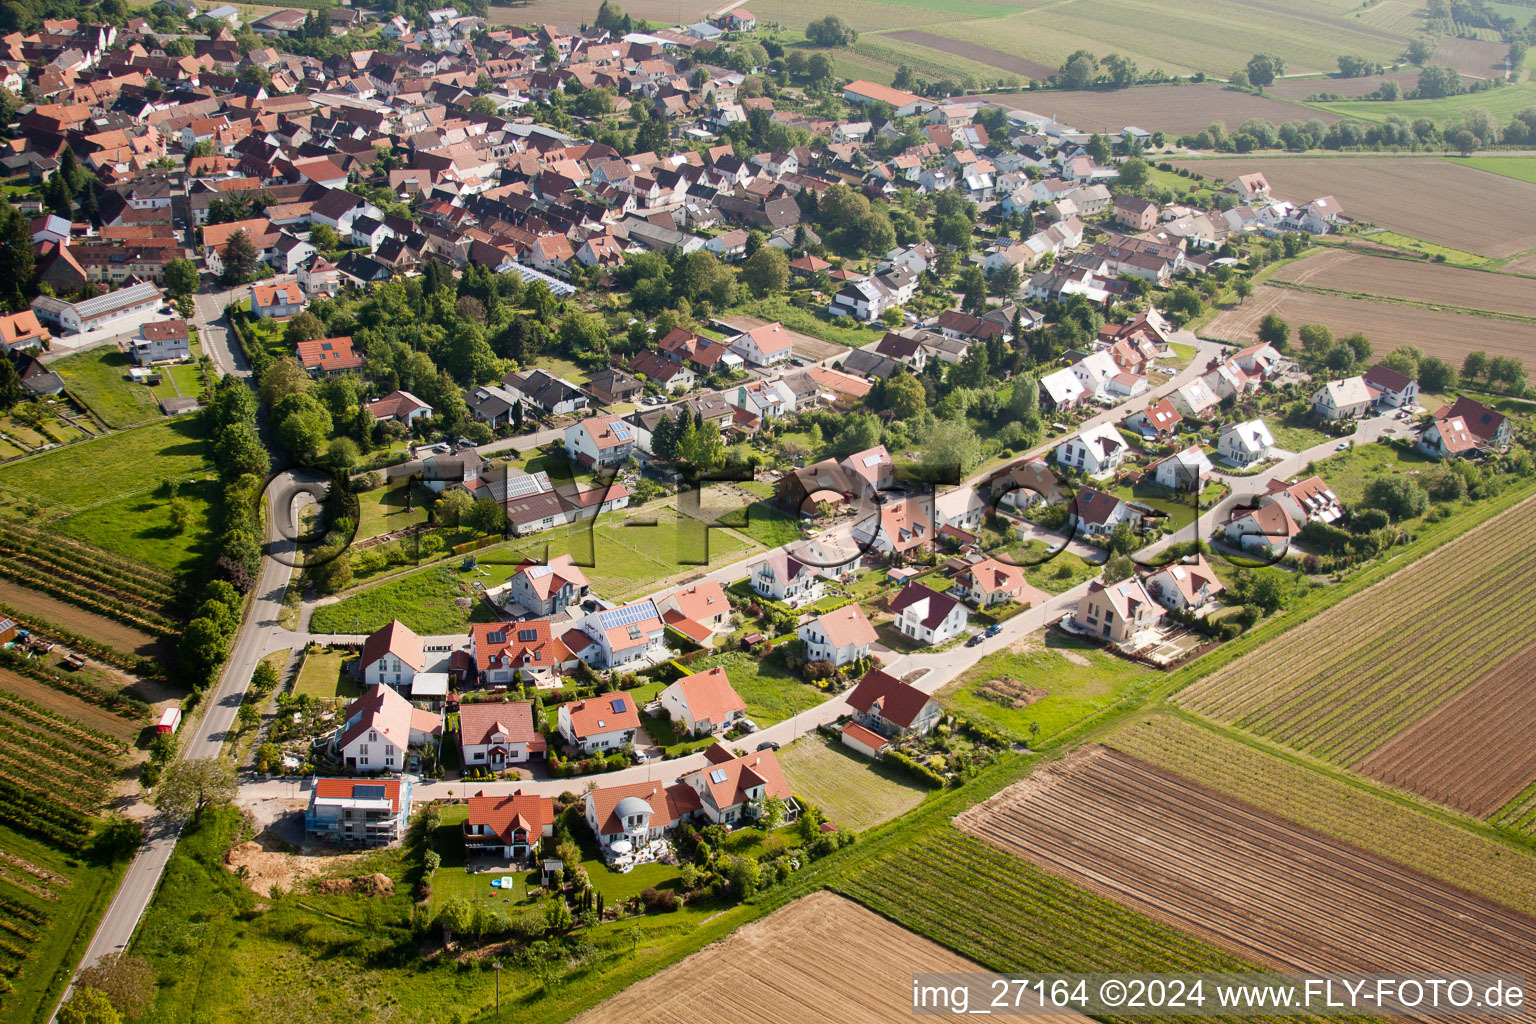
(1501,103)
(1345,812)
(1404,193)
(1343,270)
(1477,57)
(1255,884)
(1339,686)
(1470,752)
(99,379)
(1447,335)
(1174,109)
(1298,89)
(141,527)
(987,55)
(794,964)
(1048,679)
(851,790)
(51,609)
(1522,168)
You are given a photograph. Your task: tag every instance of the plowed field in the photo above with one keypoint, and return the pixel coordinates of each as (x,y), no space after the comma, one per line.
(822,958)
(1474,752)
(1267,889)
(98,627)
(1342,684)
(1409,279)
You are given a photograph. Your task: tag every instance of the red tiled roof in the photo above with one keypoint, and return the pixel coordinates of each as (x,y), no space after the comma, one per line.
(710,695)
(518,645)
(729,777)
(670,803)
(343,789)
(892,699)
(507,815)
(397,639)
(612,712)
(868,737)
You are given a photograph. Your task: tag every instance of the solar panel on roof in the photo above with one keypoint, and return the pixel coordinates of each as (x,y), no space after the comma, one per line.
(527,635)
(628,615)
(717,776)
(538,572)
(620,430)
(368,792)
(619,705)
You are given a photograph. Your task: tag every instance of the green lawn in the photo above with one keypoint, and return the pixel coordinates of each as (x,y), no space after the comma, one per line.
(141,527)
(1433,250)
(815,323)
(383,510)
(1179,508)
(112,466)
(99,379)
(560,368)
(1521,167)
(322,676)
(1348,472)
(1502,103)
(1054,575)
(1078,679)
(1294,438)
(71,918)
(188,379)
(770,692)
(767,524)
(853,791)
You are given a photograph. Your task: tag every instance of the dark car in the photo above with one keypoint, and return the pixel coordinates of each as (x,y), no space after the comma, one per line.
(975,639)
(767,745)
(994,629)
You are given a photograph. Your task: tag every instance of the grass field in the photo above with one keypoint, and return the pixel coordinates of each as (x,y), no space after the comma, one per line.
(96,471)
(1077,678)
(99,379)
(1522,168)
(1502,103)
(770,692)
(322,675)
(382,510)
(140,526)
(850,789)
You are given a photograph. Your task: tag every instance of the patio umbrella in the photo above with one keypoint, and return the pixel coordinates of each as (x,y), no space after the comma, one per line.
(621,847)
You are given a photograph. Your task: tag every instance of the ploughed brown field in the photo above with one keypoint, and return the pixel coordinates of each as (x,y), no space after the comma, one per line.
(1447,335)
(1174,109)
(1348,271)
(1000,59)
(73,708)
(1405,194)
(1481,58)
(98,627)
(1268,890)
(1301,88)
(822,958)
(1474,752)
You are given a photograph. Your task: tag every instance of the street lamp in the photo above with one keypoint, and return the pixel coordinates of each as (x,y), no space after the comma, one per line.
(497,967)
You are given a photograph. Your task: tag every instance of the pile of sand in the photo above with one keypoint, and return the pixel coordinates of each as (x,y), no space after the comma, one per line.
(266,869)
(363,885)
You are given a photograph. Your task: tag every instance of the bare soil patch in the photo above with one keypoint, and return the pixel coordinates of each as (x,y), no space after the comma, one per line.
(1175,109)
(1447,335)
(1476,57)
(1474,751)
(1261,887)
(999,59)
(108,631)
(1354,88)
(1011,693)
(1409,279)
(803,962)
(86,714)
(268,864)
(1405,194)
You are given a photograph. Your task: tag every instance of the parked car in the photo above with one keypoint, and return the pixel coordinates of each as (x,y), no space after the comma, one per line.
(1342,446)
(465,442)
(767,745)
(994,629)
(975,639)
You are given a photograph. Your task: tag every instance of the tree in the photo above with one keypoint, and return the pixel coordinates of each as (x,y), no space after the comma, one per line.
(1438,81)
(951,443)
(1355,66)
(973,289)
(1263,69)
(743,875)
(1133,173)
(1509,371)
(1275,331)
(303,426)
(1244,288)
(485,516)
(181,276)
(189,787)
(1405,360)
(1436,376)
(767,271)
(283,377)
(1121,71)
(341,453)
(1474,366)
(905,80)
(1400,497)
(454,505)
(1079,70)
(831,32)
(239,258)
(323,236)
(1316,340)
(10,385)
(16,258)
(1265,590)
(905,396)
(456,917)
(127,981)
(1024,401)
(89,1006)
(303,327)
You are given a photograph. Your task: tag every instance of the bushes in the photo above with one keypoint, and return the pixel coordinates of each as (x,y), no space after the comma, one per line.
(919,771)
(656,900)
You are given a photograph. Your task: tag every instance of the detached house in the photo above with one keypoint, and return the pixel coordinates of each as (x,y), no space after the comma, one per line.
(1096,513)
(1097,451)
(1184,586)
(991,582)
(1390,389)
(780,577)
(379,727)
(511,826)
(698,611)
(926,615)
(704,703)
(732,789)
(1342,399)
(891,707)
(1243,444)
(600,441)
(1488,428)
(619,636)
(393,655)
(1117,611)
(545,590)
(268,300)
(326,356)
(495,734)
(767,345)
(1268,528)
(629,821)
(1183,471)
(507,653)
(600,724)
(841,637)
(357,812)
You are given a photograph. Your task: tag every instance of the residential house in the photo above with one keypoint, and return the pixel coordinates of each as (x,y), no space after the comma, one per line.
(898,527)
(1183,471)
(511,826)
(1492,429)
(780,577)
(1244,444)
(440,472)
(629,820)
(870,471)
(1155,422)
(698,610)
(361,812)
(392,655)
(903,104)
(600,441)
(1390,389)
(551,395)
(1309,500)
(960,508)
(495,734)
(842,636)
(1195,398)
(1268,528)
(599,724)
(1117,611)
(1096,513)
(611,386)
(1185,586)
(21,332)
(733,788)
(1062,390)
(1449,438)
(767,345)
(379,727)
(399,407)
(545,590)
(269,300)
(526,652)
(991,582)
(1342,399)
(888,706)
(1135,213)
(1026,483)
(325,356)
(704,703)
(927,616)
(167,340)
(1250,188)
(623,635)
(1097,451)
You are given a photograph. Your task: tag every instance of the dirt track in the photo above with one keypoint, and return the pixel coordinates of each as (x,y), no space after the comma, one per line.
(98,627)
(1263,888)
(1474,752)
(822,958)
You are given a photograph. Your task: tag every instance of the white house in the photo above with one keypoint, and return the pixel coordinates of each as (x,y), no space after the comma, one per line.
(1184,471)
(891,707)
(527,652)
(842,636)
(1342,399)
(379,727)
(600,724)
(629,820)
(392,655)
(767,345)
(1062,389)
(600,441)
(511,825)
(1096,513)
(1185,586)
(732,788)
(399,406)
(704,703)
(926,615)
(495,734)
(1097,451)
(1243,444)
(783,578)
(620,636)
(284,299)
(1195,398)
(1391,389)
(167,340)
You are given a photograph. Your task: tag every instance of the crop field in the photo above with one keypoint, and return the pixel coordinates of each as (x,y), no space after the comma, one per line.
(111,632)
(1342,270)
(1472,752)
(1501,103)
(1348,813)
(1522,168)
(987,55)
(137,595)
(109,467)
(1342,684)
(850,789)
(1477,57)
(1175,109)
(1404,193)
(1447,335)
(1260,886)
(795,964)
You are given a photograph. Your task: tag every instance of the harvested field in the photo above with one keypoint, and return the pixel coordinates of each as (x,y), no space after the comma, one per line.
(108,631)
(975,51)
(1404,194)
(87,714)
(1475,57)
(1523,265)
(1342,270)
(1300,88)
(1342,684)
(1447,335)
(1474,751)
(795,964)
(1262,887)
(1175,109)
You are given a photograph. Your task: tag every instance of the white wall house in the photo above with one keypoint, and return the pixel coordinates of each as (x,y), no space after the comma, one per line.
(842,636)
(1097,451)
